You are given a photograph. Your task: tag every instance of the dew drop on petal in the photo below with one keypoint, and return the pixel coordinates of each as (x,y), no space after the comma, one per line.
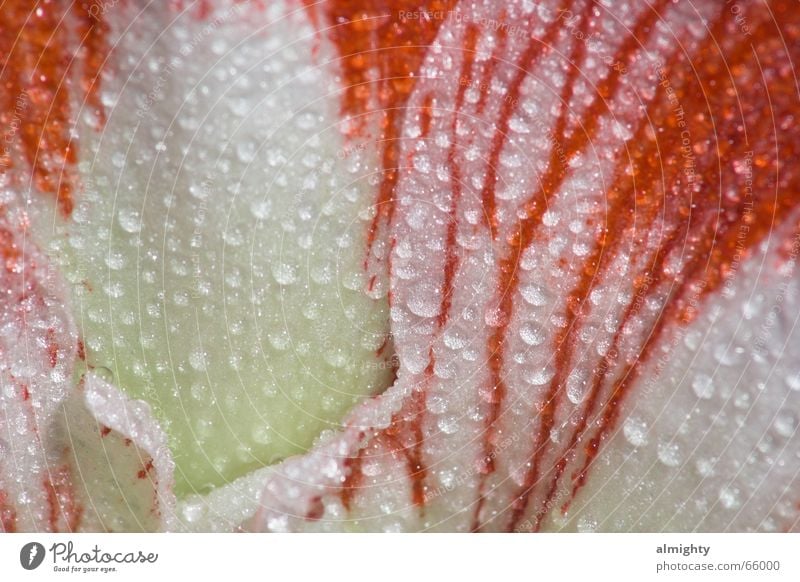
(669,454)
(729,498)
(586,524)
(534,295)
(703,386)
(531,334)
(635,431)
(284,274)
(424,301)
(785,424)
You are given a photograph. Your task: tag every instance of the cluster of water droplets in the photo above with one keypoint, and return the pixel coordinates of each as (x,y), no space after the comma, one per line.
(215,255)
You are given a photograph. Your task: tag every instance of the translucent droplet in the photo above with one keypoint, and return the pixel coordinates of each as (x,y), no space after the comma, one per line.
(261,209)
(793,381)
(262,435)
(785,424)
(586,525)
(669,454)
(531,334)
(104,373)
(729,498)
(534,295)
(129,220)
(448,424)
(284,274)
(197,359)
(193,511)
(436,404)
(635,431)
(703,386)
(541,376)
(705,467)
(576,387)
(454,339)
(424,301)
(495,317)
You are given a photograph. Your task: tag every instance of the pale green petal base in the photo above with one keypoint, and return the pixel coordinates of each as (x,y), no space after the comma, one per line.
(216,253)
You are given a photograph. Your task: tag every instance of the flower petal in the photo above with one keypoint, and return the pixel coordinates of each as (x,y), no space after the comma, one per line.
(122,463)
(38,344)
(548,241)
(215,252)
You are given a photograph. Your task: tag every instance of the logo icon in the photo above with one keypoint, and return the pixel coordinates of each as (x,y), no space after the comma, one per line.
(31,555)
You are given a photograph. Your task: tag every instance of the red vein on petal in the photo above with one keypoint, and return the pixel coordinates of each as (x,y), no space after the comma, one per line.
(526,231)
(8,515)
(555,174)
(353,479)
(535,48)
(426,115)
(62,503)
(717,238)
(490,67)
(406,429)
(451,248)
(37,82)
(372,37)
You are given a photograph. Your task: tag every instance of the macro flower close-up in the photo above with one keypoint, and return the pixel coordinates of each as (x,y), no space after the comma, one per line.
(396,266)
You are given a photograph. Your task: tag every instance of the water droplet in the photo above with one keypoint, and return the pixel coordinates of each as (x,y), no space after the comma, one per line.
(261,209)
(448,424)
(586,524)
(785,424)
(669,454)
(576,387)
(495,317)
(104,374)
(454,339)
(284,274)
(436,404)
(541,376)
(534,295)
(705,467)
(197,359)
(635,431)
(703,386)
(793,381)
(424,301)
(729,498)
(193,511)
(531,334)
(129,220)
(262,435)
